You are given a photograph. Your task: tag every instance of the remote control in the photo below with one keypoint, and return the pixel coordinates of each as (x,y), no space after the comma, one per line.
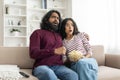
(24,74)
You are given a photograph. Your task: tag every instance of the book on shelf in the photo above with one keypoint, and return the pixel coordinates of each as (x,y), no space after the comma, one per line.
(44,4)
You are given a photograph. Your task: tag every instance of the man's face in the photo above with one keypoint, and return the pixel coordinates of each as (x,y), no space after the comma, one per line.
(54,21)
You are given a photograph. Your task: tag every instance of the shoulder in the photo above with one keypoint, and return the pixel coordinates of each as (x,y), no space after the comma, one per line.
(80,34)
(39,31)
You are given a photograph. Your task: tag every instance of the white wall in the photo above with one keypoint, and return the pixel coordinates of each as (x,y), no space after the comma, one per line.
(91,17)
(101,20)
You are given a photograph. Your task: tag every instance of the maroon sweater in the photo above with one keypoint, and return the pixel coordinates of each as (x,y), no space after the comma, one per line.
(42,45)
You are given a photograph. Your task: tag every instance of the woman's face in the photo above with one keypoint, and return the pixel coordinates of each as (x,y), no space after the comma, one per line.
(69,28)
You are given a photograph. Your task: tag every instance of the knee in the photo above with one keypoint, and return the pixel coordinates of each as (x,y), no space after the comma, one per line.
(87,61)
(46,75)
(73,76)
(84,64)
(80,63)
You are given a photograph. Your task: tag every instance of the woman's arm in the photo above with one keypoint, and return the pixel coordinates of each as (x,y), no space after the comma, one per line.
(86,36)
(87,45)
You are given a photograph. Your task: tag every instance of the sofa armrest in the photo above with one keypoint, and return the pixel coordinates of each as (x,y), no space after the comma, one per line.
(112,60)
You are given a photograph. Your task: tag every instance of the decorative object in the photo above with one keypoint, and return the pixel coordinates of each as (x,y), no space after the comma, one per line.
(19,23)
(44,4)
(7,8)
(10,22)
(15,31)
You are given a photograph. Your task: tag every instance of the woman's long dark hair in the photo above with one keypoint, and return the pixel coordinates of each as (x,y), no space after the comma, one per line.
(62,29)
(44,24)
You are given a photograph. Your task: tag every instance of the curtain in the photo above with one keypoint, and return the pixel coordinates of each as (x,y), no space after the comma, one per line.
(101,20)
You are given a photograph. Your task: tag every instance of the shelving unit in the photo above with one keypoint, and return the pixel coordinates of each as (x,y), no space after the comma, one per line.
(26,15)
(15,17)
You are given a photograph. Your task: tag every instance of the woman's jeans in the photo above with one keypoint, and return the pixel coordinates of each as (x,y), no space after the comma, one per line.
(54,72)
(86,68)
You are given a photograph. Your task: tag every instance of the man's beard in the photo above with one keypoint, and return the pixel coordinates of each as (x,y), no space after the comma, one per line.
(53,27)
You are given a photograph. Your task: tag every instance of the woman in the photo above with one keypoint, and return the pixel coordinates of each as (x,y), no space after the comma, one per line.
(87,67)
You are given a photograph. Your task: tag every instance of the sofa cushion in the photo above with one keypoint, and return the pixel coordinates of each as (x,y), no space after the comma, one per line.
(98,54)
(20,56)
(112,60)
(16,56)
(108,73)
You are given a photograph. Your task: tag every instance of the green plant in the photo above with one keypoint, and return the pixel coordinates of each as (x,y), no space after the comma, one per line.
(14,30)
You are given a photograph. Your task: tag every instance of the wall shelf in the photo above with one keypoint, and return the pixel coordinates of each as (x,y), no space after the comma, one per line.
(26,16)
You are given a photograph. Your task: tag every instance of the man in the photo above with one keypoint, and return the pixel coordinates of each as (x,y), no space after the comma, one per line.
(47,50)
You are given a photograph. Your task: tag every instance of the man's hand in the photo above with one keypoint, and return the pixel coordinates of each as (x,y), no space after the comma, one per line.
(60,50)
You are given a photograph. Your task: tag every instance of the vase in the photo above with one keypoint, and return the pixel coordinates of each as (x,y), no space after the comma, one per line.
(15,33)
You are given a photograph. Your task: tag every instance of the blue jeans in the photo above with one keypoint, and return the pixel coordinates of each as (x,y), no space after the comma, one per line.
(54,72)
(86,68)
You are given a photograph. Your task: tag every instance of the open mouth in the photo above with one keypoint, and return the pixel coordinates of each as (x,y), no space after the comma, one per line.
(70,30)
(55,24)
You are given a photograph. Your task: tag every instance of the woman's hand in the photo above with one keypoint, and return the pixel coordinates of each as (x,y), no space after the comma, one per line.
(87,55)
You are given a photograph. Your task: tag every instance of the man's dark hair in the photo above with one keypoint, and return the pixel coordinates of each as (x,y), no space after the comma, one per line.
(63,24)
(45,25)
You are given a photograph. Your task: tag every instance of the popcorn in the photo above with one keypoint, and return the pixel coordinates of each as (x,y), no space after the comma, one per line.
(74,56)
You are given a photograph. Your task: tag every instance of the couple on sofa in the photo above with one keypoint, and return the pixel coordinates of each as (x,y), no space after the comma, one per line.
(48,48)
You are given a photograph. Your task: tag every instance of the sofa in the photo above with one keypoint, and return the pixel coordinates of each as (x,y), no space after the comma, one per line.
(109,64)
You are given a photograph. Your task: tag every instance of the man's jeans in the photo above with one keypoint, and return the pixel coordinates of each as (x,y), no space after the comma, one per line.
(54,72)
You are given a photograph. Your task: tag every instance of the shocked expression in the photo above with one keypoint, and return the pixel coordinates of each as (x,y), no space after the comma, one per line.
(54,19)
(69,27)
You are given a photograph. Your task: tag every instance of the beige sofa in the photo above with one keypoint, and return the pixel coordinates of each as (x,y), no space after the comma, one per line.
(109,64)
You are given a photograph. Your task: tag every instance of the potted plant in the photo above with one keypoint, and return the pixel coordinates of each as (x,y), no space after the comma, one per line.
(15,31)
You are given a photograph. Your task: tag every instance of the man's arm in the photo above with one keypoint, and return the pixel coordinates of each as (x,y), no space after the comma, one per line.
(36,52)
